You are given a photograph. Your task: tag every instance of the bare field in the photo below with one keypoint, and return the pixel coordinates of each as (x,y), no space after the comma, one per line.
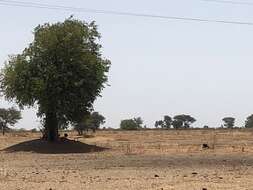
(123,160)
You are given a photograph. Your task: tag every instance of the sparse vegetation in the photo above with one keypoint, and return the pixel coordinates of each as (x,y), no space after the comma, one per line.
(124,153)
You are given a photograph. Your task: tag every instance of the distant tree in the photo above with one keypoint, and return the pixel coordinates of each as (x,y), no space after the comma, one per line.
(159,123)
(183,121)
(206,127)
(62,72)
(229,122)
(89,121)
(131,124)
(8,117)
(167,121)
(95,121)
(82,124)
(249,122)
(128,124)
(177,124)
(156,124)
(138,121)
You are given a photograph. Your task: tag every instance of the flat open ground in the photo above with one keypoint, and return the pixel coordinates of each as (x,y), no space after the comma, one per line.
(129,160)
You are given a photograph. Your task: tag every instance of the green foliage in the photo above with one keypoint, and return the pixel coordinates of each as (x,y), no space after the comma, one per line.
(8,117)
(138,121)
(229,122)
(131,124)
(177,124)
(82,125)
(62,71)
(183,121)
(96,120)
(249,122)
(159,123)
(89,121)
(165,123)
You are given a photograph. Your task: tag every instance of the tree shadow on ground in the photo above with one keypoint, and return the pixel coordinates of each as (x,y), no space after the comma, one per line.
(64,146)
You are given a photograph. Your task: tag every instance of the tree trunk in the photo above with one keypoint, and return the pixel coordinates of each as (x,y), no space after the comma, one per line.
(51,127)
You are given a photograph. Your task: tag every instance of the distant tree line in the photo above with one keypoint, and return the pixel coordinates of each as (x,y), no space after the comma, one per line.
(94,120)
(182,121)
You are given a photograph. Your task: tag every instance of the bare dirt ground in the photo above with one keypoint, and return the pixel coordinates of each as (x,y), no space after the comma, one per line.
(157,160)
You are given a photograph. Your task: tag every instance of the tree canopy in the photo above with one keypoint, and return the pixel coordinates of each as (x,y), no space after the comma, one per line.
(229,122)
(183,121)
(89,121)
(96,120)
(249,122)
(62,71)
(165,123)
(131,124)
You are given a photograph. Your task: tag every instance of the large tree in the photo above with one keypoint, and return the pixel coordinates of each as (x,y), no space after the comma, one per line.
(249,122)
(229,122)
(62,71)
(8,117)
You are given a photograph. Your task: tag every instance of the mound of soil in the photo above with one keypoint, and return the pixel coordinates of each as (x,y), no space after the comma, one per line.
(63,146)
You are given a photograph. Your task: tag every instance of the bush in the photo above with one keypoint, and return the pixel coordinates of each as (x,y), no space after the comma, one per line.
(129,124)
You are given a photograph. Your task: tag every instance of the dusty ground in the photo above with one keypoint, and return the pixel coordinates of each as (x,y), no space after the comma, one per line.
(130,160)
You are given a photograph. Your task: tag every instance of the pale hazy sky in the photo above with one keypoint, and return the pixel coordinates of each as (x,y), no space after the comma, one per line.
(158,66)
